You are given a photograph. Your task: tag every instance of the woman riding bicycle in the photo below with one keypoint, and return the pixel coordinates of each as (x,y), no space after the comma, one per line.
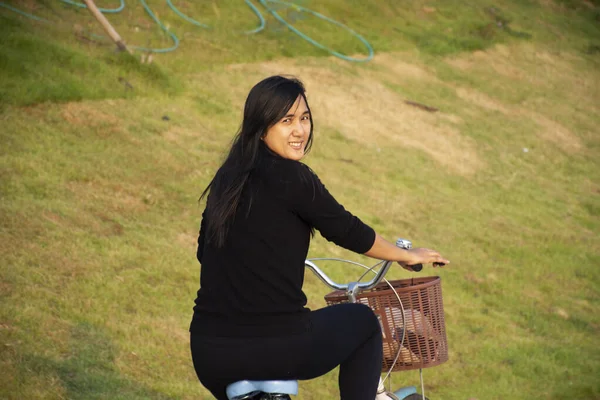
(263,205)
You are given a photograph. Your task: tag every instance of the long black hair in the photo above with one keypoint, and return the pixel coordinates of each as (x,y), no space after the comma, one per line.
(266,104)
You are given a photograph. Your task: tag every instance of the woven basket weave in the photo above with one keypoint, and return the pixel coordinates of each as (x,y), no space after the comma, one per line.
(425,343)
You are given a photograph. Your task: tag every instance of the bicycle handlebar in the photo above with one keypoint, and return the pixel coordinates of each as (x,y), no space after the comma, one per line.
(346,286)
(355,287)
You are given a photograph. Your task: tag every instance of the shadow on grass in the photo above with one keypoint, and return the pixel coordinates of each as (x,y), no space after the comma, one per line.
(88,372)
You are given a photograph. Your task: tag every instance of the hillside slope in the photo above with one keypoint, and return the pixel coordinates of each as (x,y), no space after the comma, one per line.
(103,159)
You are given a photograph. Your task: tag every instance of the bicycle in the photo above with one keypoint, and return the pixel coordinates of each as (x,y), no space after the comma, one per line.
(418,341)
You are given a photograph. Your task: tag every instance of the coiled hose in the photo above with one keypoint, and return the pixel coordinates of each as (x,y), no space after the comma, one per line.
(264,3)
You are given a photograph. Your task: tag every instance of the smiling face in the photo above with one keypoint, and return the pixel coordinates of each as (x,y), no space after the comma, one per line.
(288,136)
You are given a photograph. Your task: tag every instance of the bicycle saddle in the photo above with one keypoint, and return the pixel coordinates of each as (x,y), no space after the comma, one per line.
(246,389)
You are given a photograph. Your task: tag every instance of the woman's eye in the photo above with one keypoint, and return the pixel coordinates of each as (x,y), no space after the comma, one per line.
(286,120)
(306,118)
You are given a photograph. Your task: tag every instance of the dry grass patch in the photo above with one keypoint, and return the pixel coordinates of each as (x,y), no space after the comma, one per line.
(89,115)
(394,64)
(541,69)
(31,6)
(187,240)
(6,289)
(556,133)
(549,130)
(542,72)
(523,62)
(177,134)
(122,199)
(172,329)
(558,7)
(191,134)
(498,60)
(482,100)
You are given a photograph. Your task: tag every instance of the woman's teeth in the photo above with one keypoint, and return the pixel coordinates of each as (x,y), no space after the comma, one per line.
(296,145)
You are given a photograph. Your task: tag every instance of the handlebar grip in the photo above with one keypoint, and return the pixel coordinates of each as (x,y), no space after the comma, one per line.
(416,267)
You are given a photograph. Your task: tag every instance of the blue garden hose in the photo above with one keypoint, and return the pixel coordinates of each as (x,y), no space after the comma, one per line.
(312,41)
(182,15)
(21,12)
(103,10)
(115,10)
(259,14)
(164,28)
(193,21)
(248,2)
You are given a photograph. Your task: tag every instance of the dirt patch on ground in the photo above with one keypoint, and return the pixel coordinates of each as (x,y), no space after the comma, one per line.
(554,132)
(93,118)
(118,197)
(548,129)
(177,134)
(557,6)
(481,100)
(394,63)
(536,71)
(86,114)
(170,327)
(31,5)
(187,240)
(366,111)
(498,60)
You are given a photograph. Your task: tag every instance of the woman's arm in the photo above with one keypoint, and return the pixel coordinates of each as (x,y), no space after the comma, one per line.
(317,206)
(312,202)
(384,250)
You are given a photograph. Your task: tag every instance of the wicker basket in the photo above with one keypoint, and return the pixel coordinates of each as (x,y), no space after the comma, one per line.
(425,344)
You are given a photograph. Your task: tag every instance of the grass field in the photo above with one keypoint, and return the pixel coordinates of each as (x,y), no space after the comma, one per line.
(103,158)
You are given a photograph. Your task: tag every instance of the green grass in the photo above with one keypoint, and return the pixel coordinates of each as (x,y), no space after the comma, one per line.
(36,69)
(100,181)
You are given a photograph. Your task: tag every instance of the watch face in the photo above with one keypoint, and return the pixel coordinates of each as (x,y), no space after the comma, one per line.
(404,244)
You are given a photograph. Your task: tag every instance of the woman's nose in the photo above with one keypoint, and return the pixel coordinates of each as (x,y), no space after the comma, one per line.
(299,129)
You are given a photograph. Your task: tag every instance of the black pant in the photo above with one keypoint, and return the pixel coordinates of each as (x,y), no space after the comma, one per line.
(348,335)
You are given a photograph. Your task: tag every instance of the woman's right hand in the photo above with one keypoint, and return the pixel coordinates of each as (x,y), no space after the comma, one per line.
(421,255)
(384,250)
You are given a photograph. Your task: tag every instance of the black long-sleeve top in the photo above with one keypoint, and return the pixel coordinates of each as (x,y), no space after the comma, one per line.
(256,278)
